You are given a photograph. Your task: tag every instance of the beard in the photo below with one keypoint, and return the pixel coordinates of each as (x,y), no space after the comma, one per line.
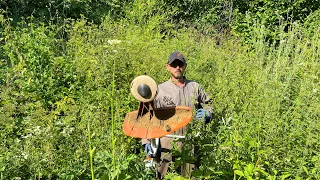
(177,76)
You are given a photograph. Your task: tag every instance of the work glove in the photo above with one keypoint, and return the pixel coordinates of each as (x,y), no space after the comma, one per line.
(148,150)
(203,115)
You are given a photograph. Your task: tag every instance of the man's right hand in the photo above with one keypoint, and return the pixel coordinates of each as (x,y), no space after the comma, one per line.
(149,151)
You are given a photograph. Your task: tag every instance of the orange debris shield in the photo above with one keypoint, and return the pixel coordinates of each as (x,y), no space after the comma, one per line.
(155,123)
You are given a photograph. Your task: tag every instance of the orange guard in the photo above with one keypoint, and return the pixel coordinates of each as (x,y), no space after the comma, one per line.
(156,123)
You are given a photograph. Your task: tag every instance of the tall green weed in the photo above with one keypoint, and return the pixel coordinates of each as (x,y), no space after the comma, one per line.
(63,100)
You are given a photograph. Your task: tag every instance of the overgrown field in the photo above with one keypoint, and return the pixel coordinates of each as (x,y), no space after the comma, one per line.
(65,90)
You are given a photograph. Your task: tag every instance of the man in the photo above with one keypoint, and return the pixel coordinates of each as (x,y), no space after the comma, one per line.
(178,91)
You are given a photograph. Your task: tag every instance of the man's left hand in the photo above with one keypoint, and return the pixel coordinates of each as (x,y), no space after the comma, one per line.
(203,115)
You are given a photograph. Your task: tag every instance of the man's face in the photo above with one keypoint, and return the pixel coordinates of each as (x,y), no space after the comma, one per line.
(176,68)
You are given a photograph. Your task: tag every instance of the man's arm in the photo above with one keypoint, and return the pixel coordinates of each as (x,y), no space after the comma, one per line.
(205,103)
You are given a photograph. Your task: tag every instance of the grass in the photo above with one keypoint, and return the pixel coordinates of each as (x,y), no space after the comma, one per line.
(56,101)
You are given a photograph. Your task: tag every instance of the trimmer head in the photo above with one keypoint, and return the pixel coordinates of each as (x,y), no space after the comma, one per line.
(144,88)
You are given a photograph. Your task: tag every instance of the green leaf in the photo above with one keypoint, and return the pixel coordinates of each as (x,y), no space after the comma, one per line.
(239,173)
(197,173)
(92,150)
(263,172)
(249,168)
(285,176)
(305,169)
(298,178)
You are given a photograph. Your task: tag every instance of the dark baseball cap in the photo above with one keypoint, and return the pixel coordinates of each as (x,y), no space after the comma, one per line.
(176,56)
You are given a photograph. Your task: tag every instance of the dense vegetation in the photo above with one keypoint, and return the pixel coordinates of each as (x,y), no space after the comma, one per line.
(66,68)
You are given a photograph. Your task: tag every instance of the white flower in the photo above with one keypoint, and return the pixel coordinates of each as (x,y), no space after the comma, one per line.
(25,155)
(37,130)
(67,131)
(27,136)
(114,41)
(27,119)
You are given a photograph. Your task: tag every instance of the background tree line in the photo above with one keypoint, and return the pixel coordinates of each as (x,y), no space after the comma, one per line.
(211,16)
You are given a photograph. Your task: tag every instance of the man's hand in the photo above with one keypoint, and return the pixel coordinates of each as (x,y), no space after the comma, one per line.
(203,115)
(148,150)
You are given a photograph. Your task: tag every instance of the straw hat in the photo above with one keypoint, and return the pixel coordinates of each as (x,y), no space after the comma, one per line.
(144,88)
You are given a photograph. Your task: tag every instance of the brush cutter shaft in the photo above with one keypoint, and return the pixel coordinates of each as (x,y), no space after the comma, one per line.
(175,136)
(155,145)
(156,142)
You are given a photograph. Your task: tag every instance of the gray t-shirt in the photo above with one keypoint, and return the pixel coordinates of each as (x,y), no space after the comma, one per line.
(191,95)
